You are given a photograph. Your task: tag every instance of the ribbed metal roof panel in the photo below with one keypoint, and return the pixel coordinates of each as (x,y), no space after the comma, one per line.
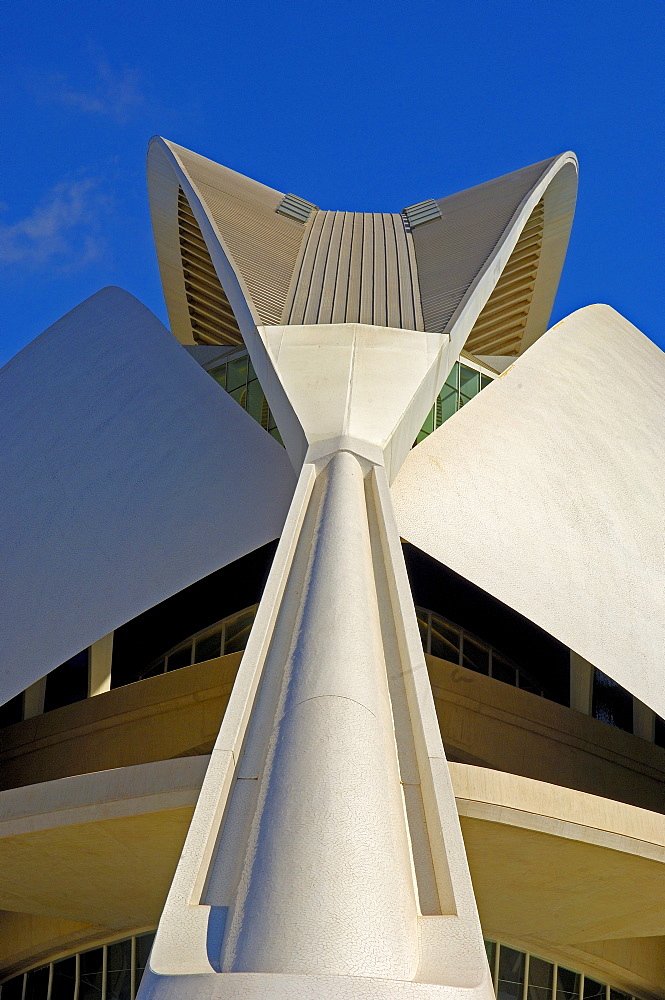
(451,251)
(264,244)
(356,268)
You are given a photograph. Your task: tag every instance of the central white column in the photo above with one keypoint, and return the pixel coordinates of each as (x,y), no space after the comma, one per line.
(327,887)
(325,858)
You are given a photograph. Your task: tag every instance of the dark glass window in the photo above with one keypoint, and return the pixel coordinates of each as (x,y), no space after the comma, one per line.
(567,984)
(611,702)
(502,670)
(659,733)
(143,946)
(12,989)
(152,671)
(11,711)
(445,640)
(36,986)
(511,974)
(182,658)
(91,975)
(209,647)
(593,990)
(475,656)
(541,974)
(64,979)
(619,995)
(119,971)
(67,683)
(237,632)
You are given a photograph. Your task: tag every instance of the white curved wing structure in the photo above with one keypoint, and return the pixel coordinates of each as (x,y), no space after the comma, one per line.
(547,491)
(128,475)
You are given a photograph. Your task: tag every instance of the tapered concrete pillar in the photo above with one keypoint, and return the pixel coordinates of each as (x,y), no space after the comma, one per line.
(325,858)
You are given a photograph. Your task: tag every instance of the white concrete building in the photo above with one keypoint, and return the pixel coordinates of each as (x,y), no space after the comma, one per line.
(341,669)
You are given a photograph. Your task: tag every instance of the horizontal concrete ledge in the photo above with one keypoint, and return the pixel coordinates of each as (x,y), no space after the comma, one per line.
(481,793)
(563,812)
(255,986)
(121,791)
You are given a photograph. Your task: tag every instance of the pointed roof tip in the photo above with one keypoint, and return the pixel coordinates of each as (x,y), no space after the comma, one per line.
(530,169)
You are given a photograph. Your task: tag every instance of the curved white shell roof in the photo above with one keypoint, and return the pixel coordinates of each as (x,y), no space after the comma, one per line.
(127,475)
(547,490)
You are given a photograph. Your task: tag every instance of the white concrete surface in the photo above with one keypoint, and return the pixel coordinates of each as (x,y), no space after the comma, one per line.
(547,491)
(128,474)
(325,856)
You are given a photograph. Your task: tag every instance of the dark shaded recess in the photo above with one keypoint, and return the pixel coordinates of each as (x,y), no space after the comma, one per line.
(141,640)
(611,703)
(68,683)
(540,655)
(11,711)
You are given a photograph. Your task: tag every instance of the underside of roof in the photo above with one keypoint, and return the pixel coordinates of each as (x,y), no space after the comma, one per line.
(485,262)
(558,511)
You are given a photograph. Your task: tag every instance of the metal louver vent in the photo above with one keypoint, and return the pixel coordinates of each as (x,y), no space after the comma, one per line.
(500,325)
(210,312)
(295,208)
(424,211)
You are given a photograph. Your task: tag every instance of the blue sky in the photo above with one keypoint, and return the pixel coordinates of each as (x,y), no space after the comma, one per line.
(357,105)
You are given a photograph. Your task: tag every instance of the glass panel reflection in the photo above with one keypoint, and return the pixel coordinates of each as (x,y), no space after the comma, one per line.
(64,979)
(236,373)
(143,946)
(475,656)
(209,647)
(594,990)
(13,989)
(611,702)
(541,975)
(502,670)
(90,986)
(36,987)
(256,401)
(445,640)
(119,971)
(237,631)
(182,658)
(511,974)
(567,984)
(447,403)
(469,382)
(219,375)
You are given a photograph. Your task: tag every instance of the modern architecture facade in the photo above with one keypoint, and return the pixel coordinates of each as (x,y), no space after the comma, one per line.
(332,640)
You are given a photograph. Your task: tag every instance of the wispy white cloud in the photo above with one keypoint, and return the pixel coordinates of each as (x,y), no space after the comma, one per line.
(60,231)
(114,94)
